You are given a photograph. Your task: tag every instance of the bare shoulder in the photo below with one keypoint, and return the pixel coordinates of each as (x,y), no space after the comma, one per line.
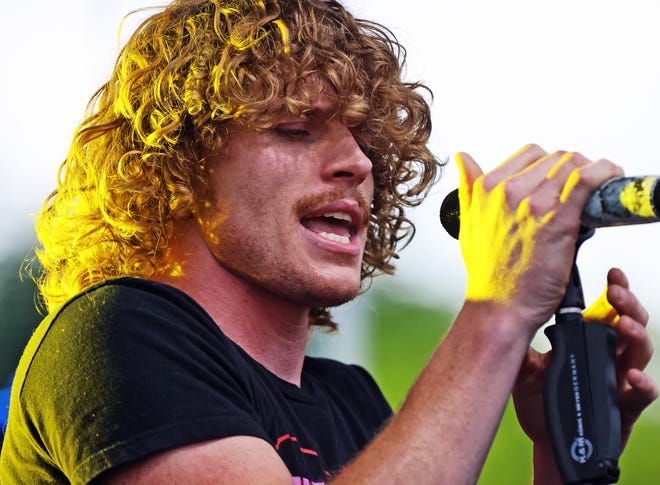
(238,459)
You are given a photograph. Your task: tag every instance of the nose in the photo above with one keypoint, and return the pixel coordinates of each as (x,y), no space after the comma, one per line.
(345,160)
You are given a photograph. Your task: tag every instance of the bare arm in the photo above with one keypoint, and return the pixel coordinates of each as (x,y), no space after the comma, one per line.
(239,459)
(447,424)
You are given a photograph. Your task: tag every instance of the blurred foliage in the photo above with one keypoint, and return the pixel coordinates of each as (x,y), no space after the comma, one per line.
(18,313)
(402,338)
(403,334)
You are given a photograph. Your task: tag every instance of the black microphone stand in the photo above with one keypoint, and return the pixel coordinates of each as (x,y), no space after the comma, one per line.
(580,391)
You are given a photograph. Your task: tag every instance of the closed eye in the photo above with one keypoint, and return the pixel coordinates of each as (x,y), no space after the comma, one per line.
(292,131)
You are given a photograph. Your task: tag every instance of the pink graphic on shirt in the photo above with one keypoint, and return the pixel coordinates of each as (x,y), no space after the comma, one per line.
(299,480)
(304,481)
(288,437)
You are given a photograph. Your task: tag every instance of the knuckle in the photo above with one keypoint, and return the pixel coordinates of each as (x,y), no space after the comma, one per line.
(572,159)
(610,167)
(585,176)
(577,159)
(536,206)
(534,150)
(511,188)
(488,181)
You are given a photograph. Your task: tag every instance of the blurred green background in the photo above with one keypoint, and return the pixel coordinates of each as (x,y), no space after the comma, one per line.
(18,313)
(398,338)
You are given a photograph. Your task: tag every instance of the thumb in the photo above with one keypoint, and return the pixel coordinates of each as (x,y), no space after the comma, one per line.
(469,171)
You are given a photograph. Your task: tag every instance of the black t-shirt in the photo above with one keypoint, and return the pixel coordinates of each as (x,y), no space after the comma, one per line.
(131,367)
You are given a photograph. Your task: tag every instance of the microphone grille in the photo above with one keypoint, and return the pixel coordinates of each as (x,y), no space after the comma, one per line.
(450,213)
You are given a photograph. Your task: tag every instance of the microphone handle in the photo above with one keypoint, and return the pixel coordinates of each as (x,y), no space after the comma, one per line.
(580,400)
(622,201)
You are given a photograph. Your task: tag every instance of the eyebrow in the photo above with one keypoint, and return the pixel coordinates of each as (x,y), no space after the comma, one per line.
(317,112)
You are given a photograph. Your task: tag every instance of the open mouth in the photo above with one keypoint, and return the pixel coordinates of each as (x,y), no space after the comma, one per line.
(333,226)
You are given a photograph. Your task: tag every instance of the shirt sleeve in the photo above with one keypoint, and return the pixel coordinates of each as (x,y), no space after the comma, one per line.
(122,373)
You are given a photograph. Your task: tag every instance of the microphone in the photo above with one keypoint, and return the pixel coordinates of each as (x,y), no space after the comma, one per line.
(618,202)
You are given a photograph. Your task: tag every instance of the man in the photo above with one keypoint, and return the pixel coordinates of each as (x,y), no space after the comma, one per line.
(246,167)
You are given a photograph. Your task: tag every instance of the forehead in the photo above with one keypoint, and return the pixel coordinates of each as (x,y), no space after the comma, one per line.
(310,97)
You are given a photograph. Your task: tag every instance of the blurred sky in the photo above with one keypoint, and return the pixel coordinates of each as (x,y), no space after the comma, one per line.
(569,74)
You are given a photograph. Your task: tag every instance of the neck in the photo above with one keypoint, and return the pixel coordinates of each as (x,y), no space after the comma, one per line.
(272,330)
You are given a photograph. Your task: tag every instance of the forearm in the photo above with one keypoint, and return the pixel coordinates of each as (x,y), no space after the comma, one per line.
(447,424)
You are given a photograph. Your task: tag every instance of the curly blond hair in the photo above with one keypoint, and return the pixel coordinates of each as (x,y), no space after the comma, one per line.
(187,75)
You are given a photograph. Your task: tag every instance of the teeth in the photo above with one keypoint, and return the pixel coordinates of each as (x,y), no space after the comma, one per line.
(335,237)
(342,216)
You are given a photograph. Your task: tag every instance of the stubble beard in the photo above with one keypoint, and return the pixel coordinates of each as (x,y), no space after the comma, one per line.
(255,263)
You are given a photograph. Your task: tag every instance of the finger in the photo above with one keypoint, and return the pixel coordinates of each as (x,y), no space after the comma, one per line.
(634,345)
(616,299)
(519,175)
(644,389)
(525,183)
(625,302)
(640,391)
(469,171)
(516,163)
(615,276)
(547,177)
(582,182)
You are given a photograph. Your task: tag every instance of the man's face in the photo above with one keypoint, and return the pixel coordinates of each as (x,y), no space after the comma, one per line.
(288,208)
